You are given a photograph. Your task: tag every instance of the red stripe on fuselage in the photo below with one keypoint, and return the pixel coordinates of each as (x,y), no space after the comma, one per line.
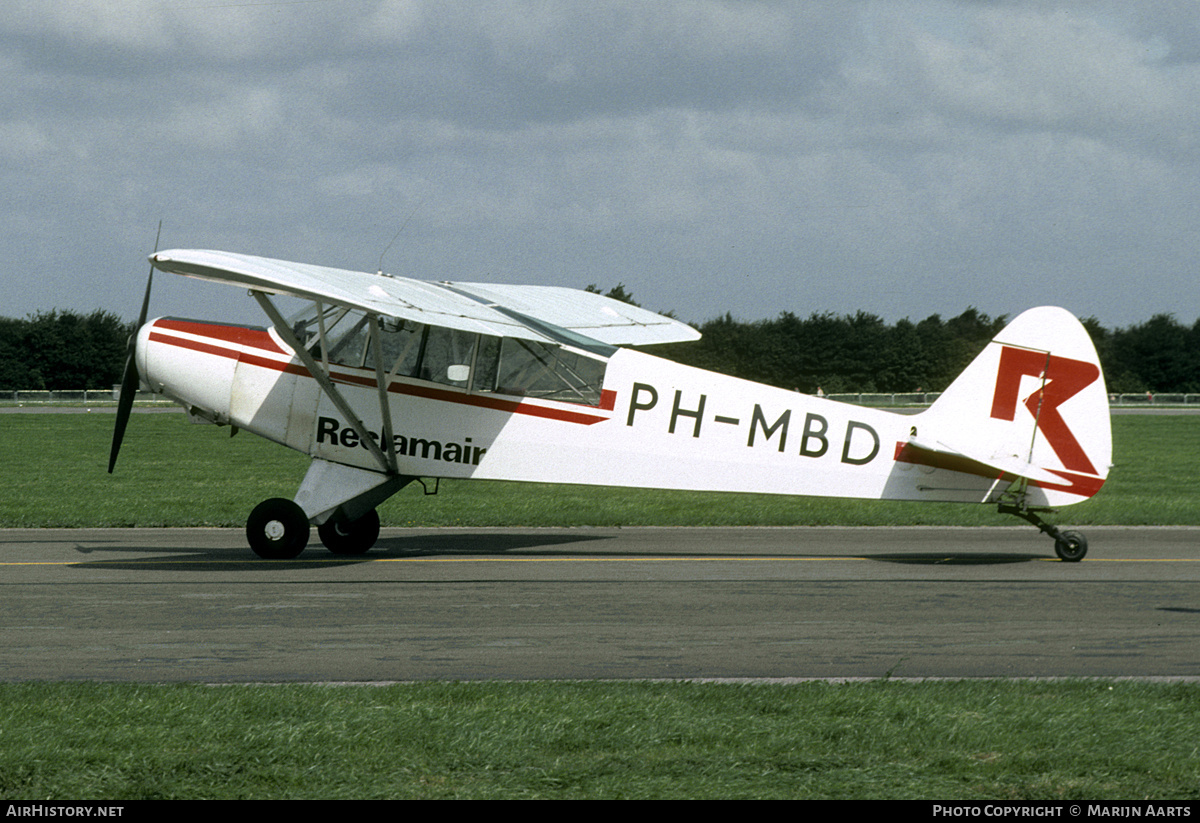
(494,403)
(254,336)
(260,339)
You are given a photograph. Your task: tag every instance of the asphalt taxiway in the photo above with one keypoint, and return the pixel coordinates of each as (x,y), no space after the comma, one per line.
(196,605)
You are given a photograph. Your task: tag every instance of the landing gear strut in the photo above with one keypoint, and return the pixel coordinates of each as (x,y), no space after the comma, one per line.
(1070,546)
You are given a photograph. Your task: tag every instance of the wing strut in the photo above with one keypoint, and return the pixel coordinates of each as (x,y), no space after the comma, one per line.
(387,462)
(381,385)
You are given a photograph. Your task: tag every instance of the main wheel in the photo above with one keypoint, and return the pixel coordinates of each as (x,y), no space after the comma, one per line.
(1070,546)
(277,529)
(342,536)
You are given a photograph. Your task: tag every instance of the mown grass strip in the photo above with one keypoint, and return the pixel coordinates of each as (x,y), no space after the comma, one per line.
(972,740)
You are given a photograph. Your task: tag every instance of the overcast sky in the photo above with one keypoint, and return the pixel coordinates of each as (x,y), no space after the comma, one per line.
(902,158)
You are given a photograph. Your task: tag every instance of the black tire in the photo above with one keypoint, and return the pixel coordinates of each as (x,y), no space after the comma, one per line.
(342,536)
(1070,547)
(277,529)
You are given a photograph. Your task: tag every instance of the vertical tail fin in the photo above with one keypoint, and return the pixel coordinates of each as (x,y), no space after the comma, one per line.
(1033,404)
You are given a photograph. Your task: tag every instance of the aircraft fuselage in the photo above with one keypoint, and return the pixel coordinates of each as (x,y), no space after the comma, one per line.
(655,424)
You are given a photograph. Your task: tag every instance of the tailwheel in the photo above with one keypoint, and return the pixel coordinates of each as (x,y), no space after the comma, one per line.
(1070,546)
(277,529)
(343,536)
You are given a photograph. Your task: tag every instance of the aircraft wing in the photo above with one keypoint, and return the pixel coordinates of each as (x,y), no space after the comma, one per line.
(592,315)
(503,311)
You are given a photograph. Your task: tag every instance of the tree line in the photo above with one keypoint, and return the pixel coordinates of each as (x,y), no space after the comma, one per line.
(65,350)
(862,353)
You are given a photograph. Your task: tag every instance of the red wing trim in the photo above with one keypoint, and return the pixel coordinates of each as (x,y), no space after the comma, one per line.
(260,339)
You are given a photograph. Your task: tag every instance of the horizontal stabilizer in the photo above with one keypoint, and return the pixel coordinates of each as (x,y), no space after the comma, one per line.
(1013,465)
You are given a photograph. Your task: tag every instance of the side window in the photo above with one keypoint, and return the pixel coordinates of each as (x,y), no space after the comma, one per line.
(348,338)
(306,325)
(401,343)
(569,372)
(346,333)
(534,369)
(448,356)
(487,359)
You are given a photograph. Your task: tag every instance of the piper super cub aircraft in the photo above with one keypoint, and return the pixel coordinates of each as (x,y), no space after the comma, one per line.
(383,380)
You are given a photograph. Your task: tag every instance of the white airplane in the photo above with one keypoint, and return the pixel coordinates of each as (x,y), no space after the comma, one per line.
(382,380)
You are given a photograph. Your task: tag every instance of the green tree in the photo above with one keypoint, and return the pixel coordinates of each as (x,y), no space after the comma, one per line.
(1160,355)
(617,292)
(63,350)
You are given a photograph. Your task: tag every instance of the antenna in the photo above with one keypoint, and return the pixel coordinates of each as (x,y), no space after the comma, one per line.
(420,203)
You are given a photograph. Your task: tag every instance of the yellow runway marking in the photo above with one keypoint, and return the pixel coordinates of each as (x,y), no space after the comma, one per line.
(345,560)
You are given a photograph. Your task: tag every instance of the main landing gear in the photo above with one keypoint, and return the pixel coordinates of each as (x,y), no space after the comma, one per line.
(278,529)
(1070,546)
(344,536)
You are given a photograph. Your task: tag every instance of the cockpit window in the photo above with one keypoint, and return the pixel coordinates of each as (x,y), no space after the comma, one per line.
(477,362)
(448,356)
(535,369)
(345,333)
(402,344)
(348,339)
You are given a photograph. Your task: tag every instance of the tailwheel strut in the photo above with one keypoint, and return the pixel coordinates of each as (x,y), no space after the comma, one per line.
(1070,546)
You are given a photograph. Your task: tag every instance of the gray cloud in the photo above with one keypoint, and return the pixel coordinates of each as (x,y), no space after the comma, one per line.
(901,158)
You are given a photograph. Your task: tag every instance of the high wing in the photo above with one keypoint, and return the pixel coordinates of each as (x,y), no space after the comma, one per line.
(592,315)
(504,311)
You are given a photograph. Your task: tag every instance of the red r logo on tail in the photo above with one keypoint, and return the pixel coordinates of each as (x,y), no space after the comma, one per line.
(1064,378)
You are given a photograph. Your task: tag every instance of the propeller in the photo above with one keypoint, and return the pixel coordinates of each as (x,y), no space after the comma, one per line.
(130,379)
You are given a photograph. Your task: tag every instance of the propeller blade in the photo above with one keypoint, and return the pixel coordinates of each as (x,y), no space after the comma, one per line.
(130,379)
(129,387)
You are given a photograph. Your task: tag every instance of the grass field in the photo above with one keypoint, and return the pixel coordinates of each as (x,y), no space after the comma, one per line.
(173,473)
(981,740)
(971,740)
